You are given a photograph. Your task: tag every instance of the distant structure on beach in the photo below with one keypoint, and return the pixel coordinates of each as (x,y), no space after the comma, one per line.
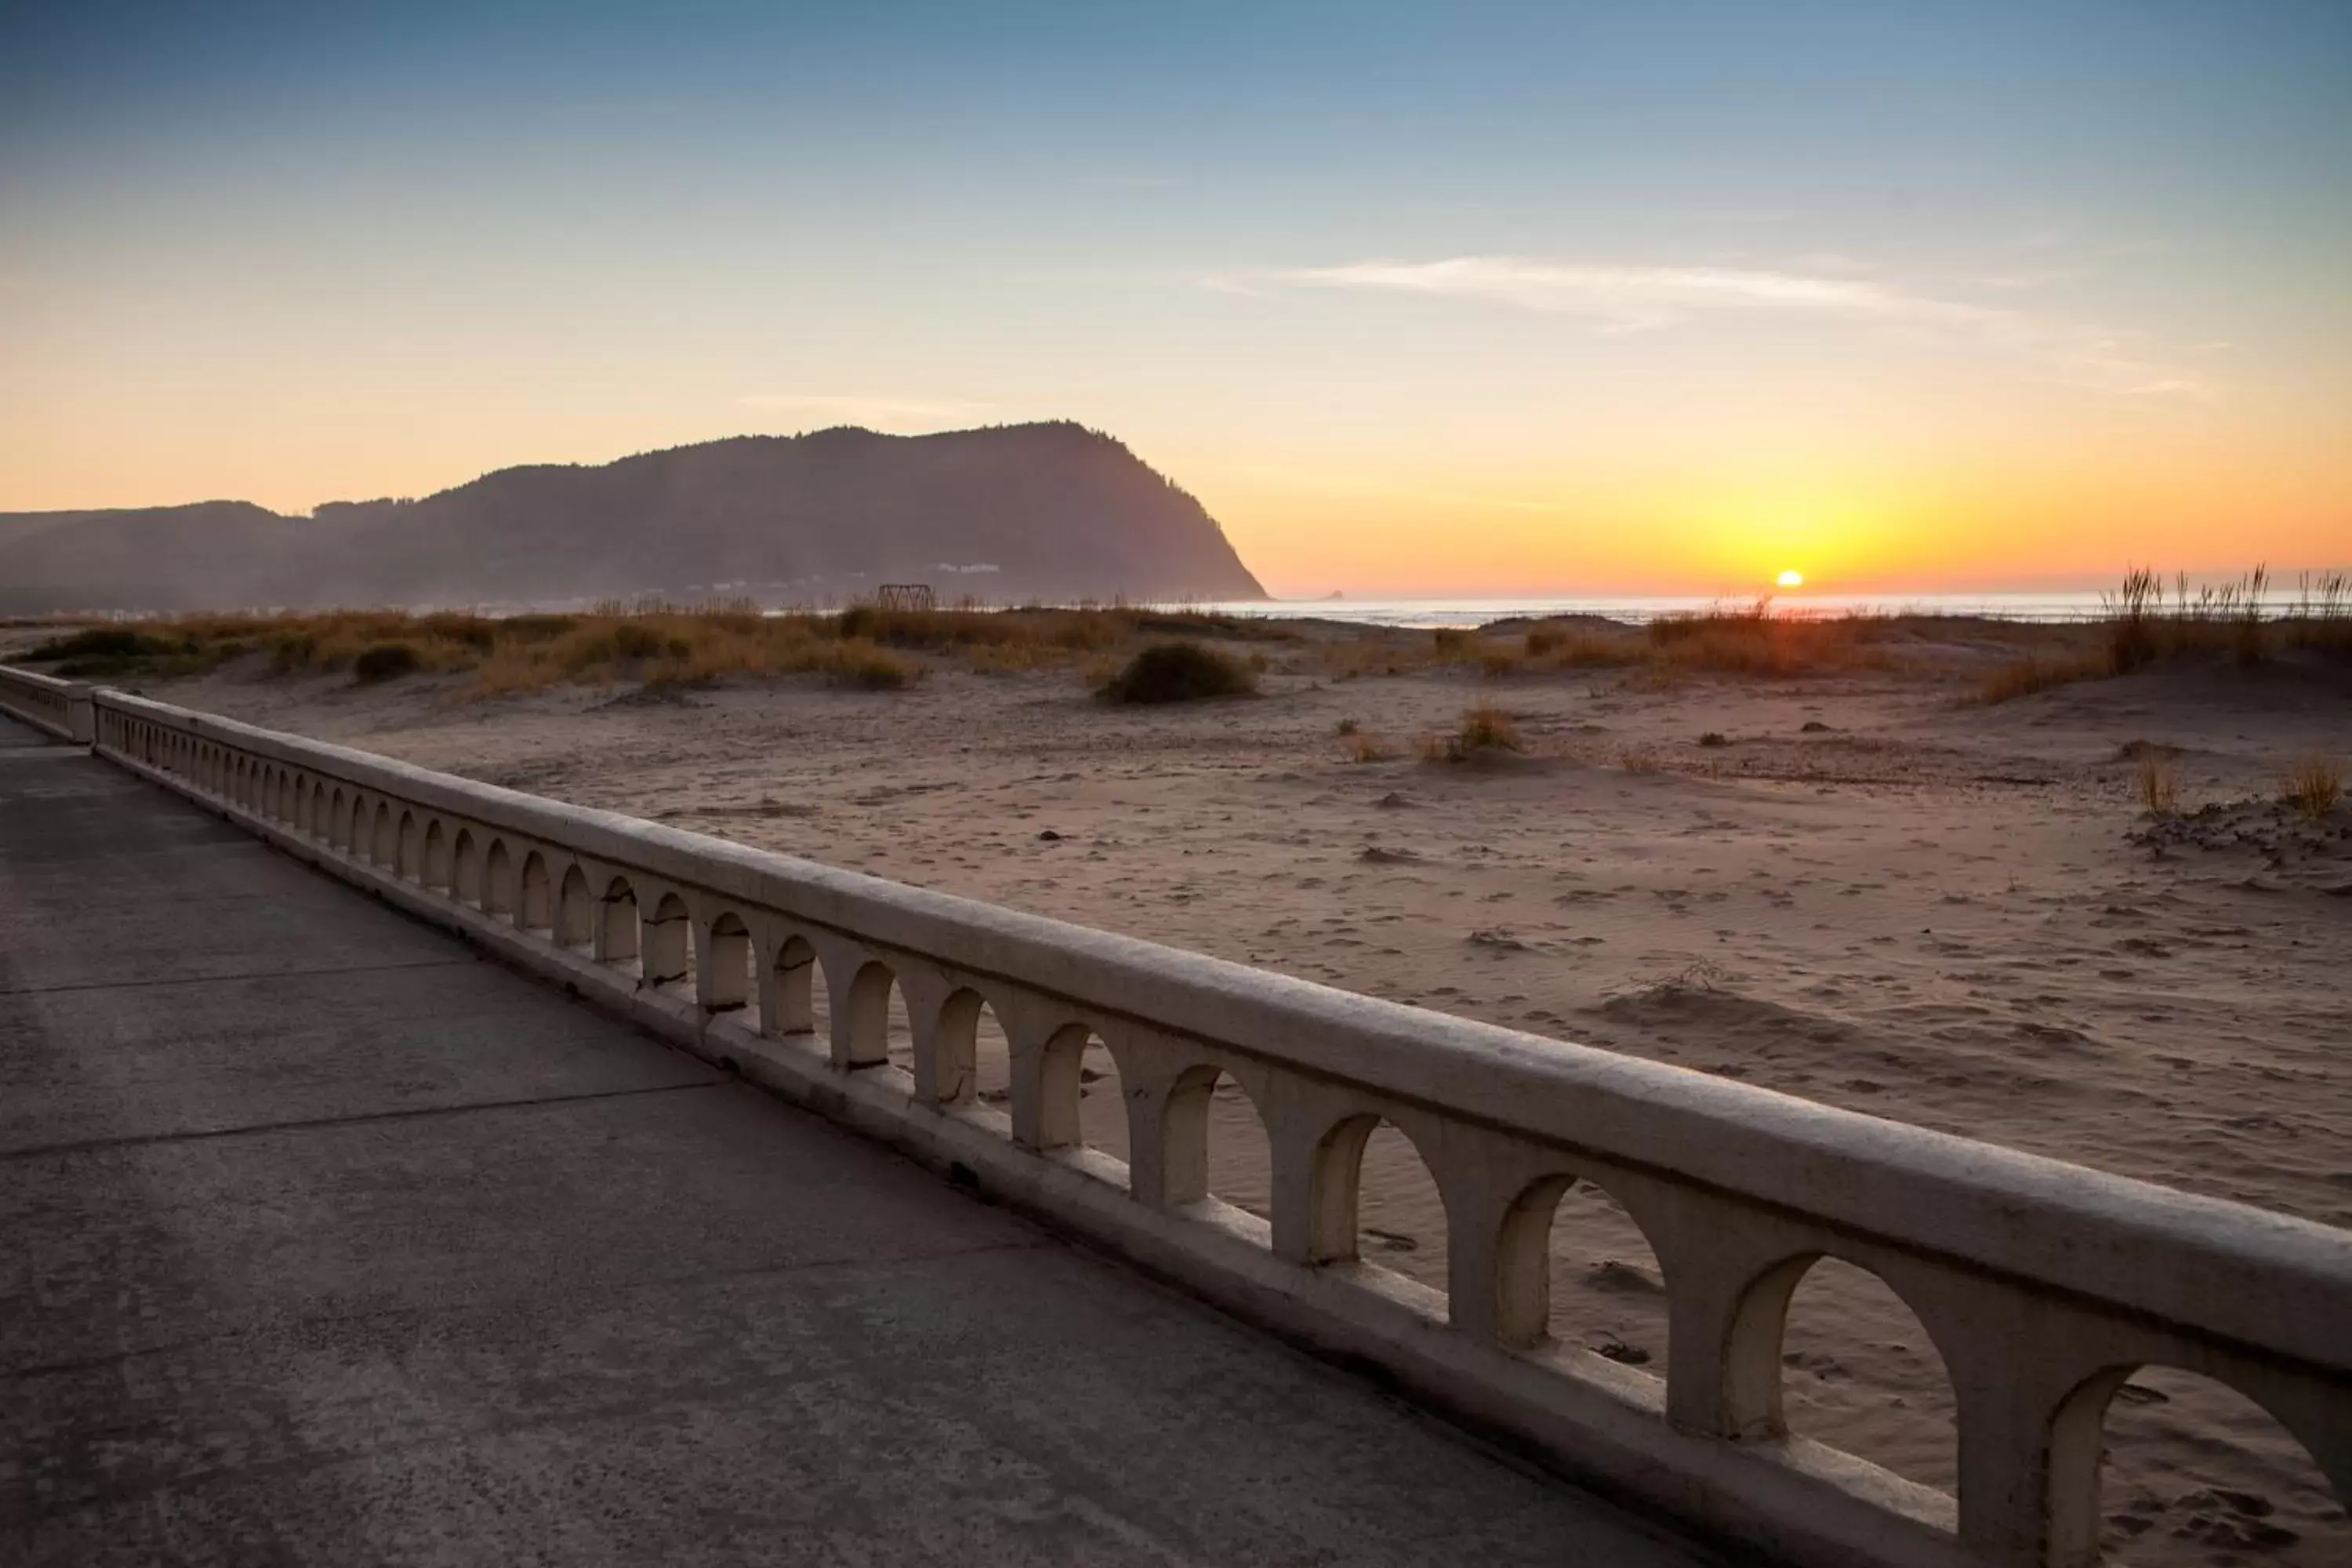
(916,597)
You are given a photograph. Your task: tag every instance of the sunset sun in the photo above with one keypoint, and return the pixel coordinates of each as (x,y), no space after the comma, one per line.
(1791,579)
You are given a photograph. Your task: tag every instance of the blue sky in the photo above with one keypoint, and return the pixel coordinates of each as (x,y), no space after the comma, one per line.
(1477,297)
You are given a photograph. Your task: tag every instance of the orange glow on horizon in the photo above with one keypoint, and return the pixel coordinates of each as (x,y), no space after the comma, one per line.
(2074,521)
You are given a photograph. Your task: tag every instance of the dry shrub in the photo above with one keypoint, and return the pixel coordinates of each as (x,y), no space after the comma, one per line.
(1485,727)
(2159,784)
(2314,786)
(1349,727)
(1640,759)
(386,661)
(1179,672)
(1366,749)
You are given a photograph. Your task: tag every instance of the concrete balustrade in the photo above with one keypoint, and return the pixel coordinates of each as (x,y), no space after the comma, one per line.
(2041,1285)
(60,706)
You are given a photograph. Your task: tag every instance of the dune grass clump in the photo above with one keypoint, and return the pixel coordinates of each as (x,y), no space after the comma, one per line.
(1538,650)
(2144,622)
(2321,620)
(1179,672)
(870,667)
(650,640)
(1378,654)
(2132,611)
(104,642)
(1364,748)
(2224,619)
(1754,641)
(2243,619)
(946,631)
(103,653)
(1032,635)
(2158,783)
(1551,649)
(2039,672)
(2314,786)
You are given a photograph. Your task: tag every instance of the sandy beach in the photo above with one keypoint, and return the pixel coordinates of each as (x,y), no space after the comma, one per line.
(1865,888)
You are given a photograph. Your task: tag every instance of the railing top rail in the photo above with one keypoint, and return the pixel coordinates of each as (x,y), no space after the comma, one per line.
(2261,1279)
(34,678)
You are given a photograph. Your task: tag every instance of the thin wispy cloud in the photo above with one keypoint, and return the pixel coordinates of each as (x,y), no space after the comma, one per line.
(856,408)
(1625,299)
(1616,299)
(1735,216)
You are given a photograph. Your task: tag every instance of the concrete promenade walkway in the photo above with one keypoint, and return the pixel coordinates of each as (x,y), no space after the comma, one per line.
(323,1241)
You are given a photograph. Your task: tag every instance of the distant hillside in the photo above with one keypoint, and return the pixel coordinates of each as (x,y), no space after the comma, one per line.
(1048,512)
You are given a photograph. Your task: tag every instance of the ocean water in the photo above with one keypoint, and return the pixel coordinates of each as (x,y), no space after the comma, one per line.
(1648,607)
(2067,606)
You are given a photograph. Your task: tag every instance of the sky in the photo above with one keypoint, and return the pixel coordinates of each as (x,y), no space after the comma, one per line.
(1470,298)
